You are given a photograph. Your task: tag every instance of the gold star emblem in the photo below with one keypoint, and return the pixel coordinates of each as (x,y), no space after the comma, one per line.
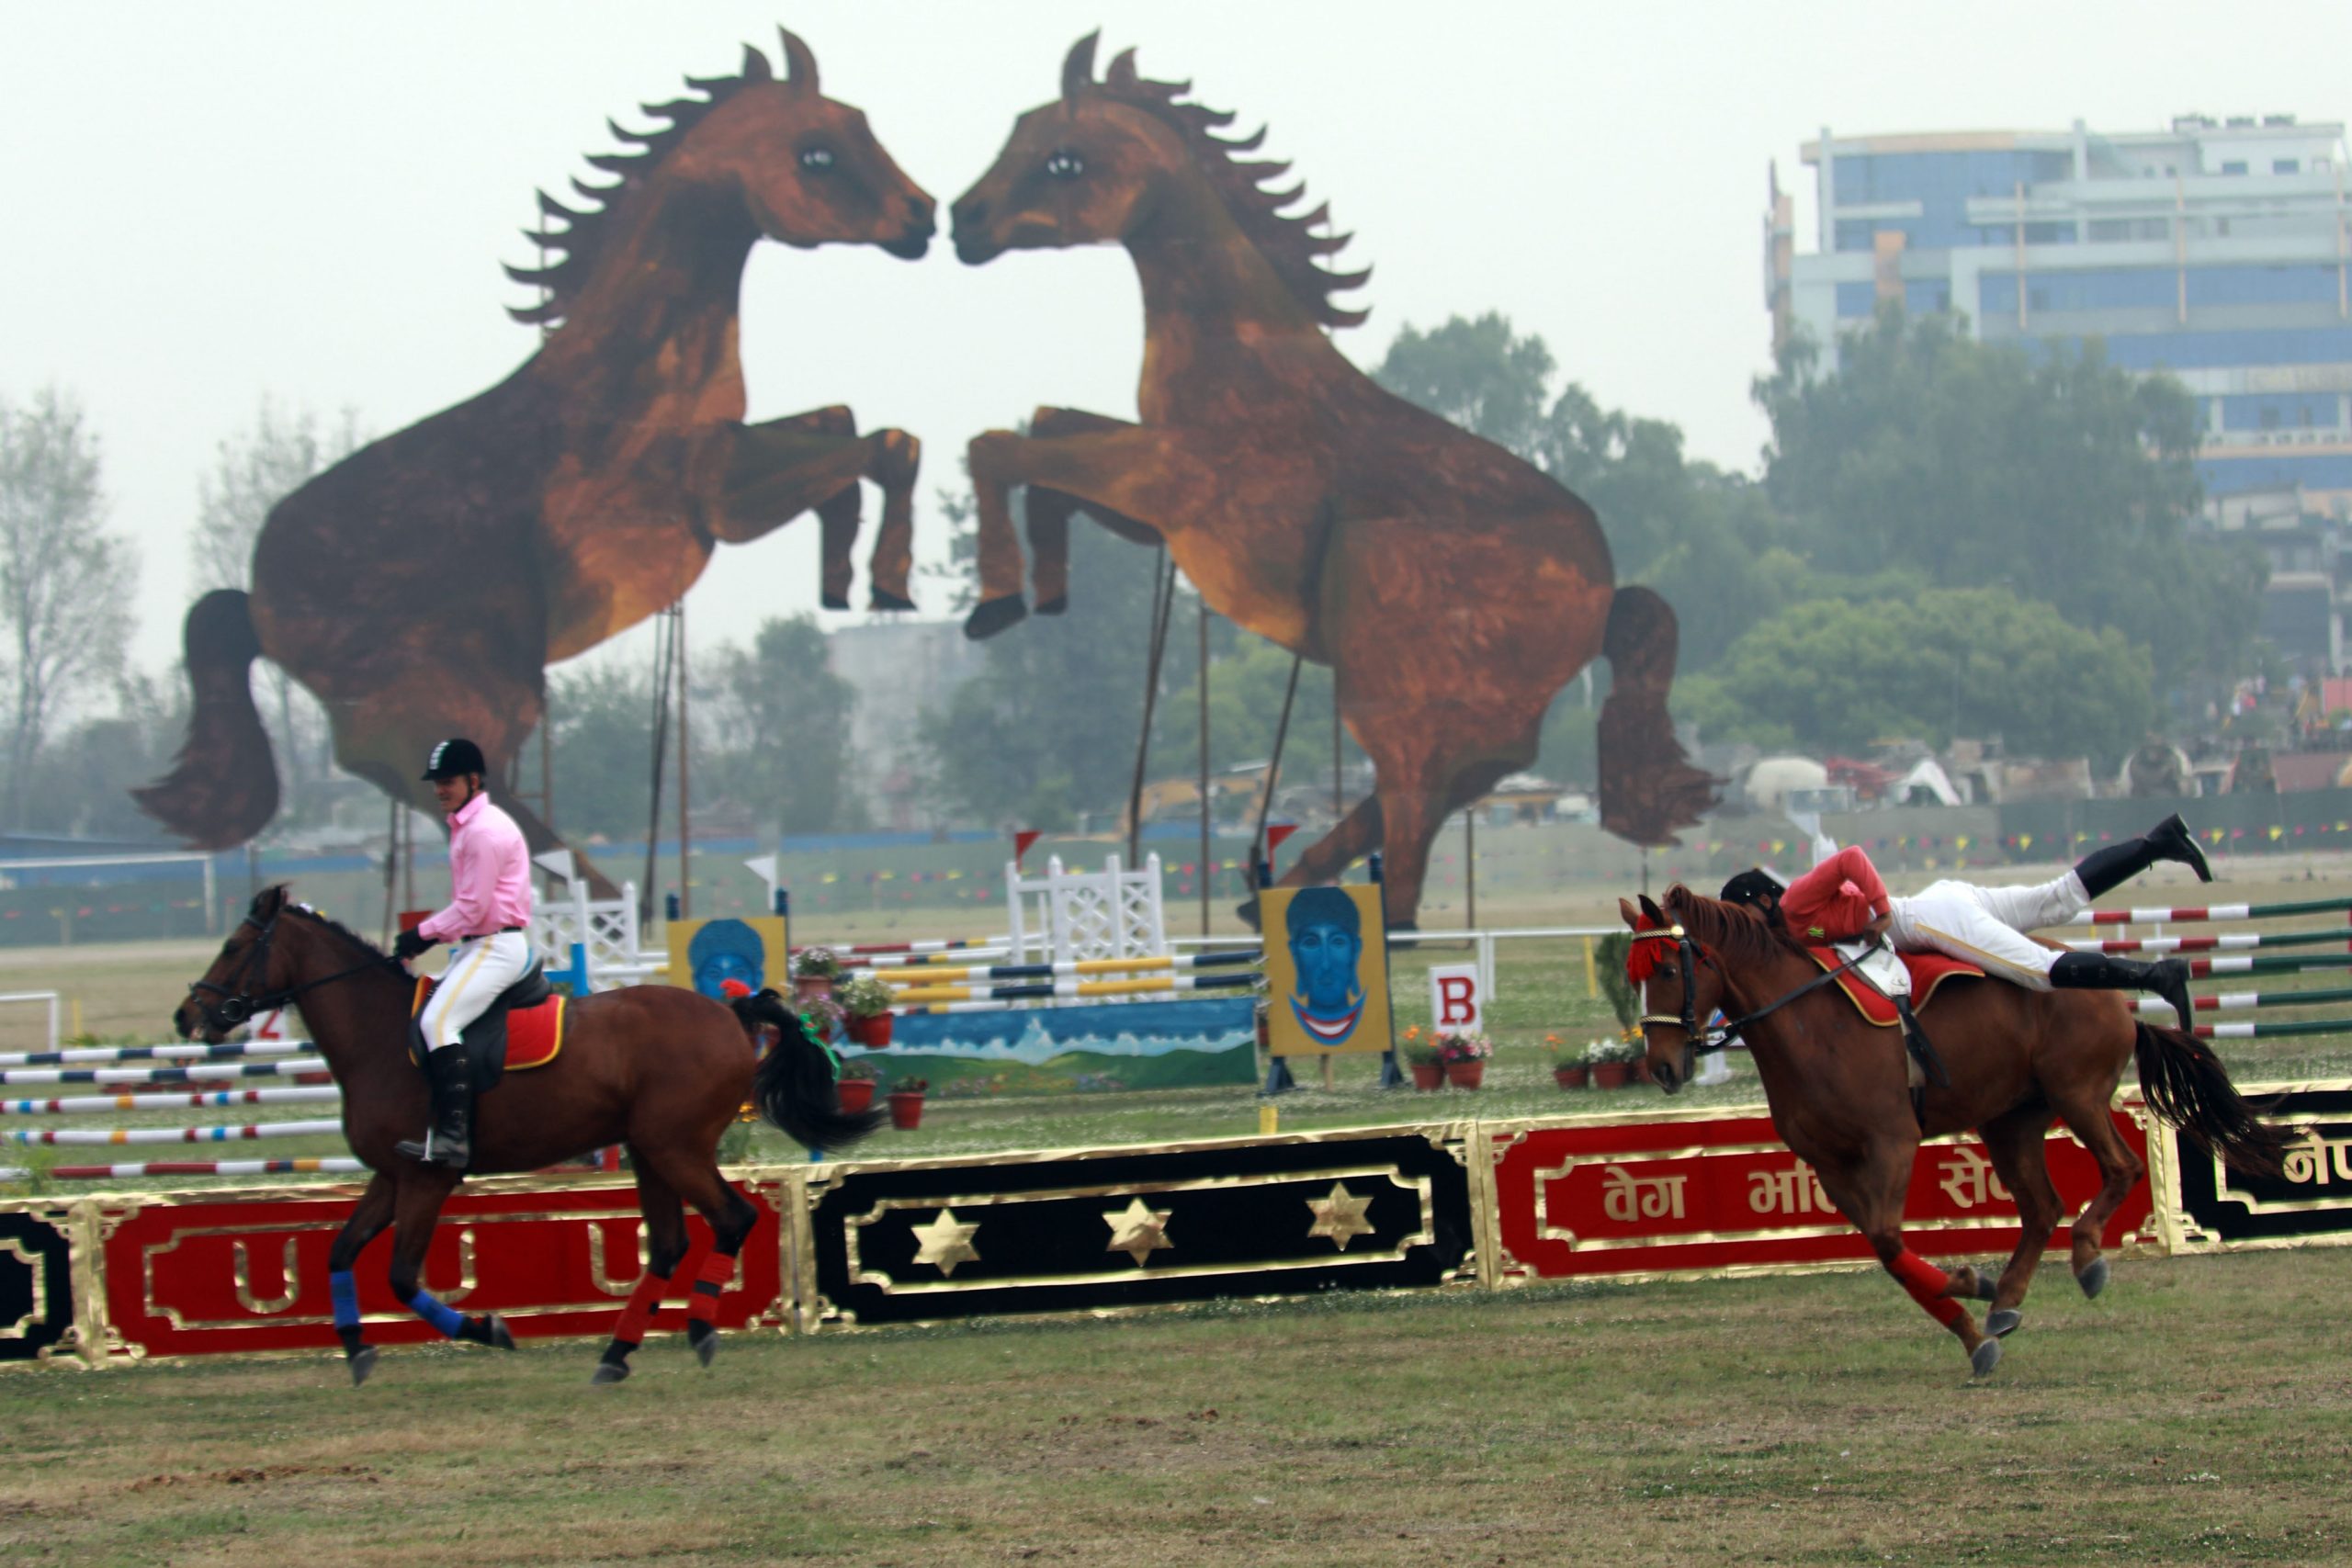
(1339,1216)
(1138,1230)
(947,1241)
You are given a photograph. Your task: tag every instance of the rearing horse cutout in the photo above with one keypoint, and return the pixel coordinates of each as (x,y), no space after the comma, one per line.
(2017,1061)
(420,587)
(1453,589)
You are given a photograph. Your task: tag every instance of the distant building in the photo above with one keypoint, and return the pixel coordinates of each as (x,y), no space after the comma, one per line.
(2216,251)
(899,669)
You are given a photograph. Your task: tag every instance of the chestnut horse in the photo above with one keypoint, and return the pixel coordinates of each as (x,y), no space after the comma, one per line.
(660,1069)
(420,587)
(1453,589)
(2017,1060)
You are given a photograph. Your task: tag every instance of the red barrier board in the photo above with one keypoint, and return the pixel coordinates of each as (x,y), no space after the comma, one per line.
(1652,1197)
(204,1275)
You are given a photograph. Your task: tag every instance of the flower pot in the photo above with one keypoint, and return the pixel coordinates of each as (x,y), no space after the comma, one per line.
(1465,1074)
(873,1032)
(905,1111)
(1428,1075)
(856,1094)
(811,987)
(1571,1078)
(1611,1075)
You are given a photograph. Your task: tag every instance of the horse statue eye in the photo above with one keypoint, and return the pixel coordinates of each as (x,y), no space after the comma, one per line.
(818,159)
(1064,164)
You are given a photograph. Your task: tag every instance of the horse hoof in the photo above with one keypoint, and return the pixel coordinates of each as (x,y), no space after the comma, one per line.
(362,1361)
(2003,1321)
(833,601)
(499,1337)
(883,599)
(1984,1358)
(608,1372)
(2093,1280)
(1057,605)
(704,1340)
(994,615)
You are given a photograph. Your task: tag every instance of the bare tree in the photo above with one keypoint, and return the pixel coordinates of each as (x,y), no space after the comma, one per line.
(64,582)
(252,470)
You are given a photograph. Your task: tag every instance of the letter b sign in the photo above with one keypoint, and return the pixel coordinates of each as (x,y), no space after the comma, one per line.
(1455,1006)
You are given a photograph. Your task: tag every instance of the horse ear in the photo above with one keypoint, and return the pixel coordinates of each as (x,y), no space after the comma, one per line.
(1078,66)
(799,64)
(1654,912)
(755,66)
(1632,917)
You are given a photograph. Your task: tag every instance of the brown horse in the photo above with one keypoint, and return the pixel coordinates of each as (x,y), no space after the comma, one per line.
(420,587)
(660,1069)
(1452,588)
(2017,1060)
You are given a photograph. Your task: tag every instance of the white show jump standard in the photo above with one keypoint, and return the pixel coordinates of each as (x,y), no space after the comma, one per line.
(226,1134)
(97,1104)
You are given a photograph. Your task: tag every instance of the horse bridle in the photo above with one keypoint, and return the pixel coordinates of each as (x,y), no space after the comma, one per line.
(1690,955)
(238,1004)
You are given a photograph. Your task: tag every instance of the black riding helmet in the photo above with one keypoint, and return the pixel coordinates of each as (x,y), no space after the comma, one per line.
(1755,887)
(453,759)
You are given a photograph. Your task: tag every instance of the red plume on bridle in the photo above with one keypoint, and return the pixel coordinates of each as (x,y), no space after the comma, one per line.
(1641,959)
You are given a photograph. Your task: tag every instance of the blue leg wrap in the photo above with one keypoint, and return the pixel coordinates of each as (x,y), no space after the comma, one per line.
(346,1292)
(426,1306)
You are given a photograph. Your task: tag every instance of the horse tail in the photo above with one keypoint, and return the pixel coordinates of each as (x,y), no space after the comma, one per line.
(793,1086)
(2189,1087)
(222,788)
(1648,788)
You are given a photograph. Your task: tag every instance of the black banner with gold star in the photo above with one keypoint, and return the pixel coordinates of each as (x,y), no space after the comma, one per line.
(917,1242)
(36,1286)
(2310,1196)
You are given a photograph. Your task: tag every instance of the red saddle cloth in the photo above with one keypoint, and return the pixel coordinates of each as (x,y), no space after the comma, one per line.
(1928,970)
(534,1034)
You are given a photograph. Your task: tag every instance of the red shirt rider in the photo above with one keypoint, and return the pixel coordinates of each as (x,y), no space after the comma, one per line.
(1839,900)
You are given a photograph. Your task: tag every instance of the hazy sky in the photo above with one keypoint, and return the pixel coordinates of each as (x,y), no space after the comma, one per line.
(204,205)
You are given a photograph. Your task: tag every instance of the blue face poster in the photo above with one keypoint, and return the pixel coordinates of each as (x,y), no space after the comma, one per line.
(706,954)
(1327,970)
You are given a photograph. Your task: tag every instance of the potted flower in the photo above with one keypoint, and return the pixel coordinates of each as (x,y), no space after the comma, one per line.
(1464,1056)
(822,1017)
(1569,1068)
(855,1086)
(1426,1062)
(867,1003)
(1611,1062)
(814,970)
(906,1102)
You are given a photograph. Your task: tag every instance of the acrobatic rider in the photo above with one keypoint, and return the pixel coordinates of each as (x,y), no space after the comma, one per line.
(1842,899)
(490,907)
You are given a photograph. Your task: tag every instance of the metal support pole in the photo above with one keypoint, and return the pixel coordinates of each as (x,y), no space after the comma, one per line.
(1202,620)
(685,819)
(1470,864)
(1163,587)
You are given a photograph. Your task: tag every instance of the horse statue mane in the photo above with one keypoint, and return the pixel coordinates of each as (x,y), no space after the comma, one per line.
(1288,244)
(589,228)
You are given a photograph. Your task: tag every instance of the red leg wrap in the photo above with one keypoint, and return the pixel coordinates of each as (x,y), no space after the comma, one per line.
(717,1268)
(638,1314)
(1926,1284)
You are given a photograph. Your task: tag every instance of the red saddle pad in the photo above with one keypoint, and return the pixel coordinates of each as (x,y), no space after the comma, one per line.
(1928,970)
(534,1035)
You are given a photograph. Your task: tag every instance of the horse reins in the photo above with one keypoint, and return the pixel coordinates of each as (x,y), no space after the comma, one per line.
(1690,957)
(238,1005)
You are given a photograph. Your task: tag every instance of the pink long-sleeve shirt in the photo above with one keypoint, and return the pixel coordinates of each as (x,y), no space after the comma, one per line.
(1836,899)
(490,874)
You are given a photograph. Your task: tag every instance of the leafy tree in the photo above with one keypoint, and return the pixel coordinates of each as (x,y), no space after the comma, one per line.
(601,714)
(83,779)
(1971,661)
(2062,476)
(64,581)
(1479,374)
(775,727)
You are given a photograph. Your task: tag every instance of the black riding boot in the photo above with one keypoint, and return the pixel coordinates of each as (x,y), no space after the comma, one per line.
(451,1141)
(2167,977)
(2103,871)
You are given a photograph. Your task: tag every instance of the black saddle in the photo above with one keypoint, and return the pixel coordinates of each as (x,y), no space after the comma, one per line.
(484,1040)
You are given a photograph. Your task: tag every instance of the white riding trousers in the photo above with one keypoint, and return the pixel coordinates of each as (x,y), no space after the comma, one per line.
(480,967)
(1985,925)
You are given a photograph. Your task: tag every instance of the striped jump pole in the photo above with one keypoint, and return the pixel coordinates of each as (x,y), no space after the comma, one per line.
(2285,964)
(94,1104)
(309,1070)
(916,997)
(1162,964)
(2209,912)
(2255,1029)
(2240,1002)
(96,1054)
(332,1164)
(2226,941)
(227,1134)
(877,949)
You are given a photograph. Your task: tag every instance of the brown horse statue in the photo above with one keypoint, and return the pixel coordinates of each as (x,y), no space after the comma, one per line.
(2017,1060)
(420,587)
(660,1069)
(1453,589)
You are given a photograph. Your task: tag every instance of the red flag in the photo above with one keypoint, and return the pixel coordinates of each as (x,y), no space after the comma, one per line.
(1021,839)
(1275,833)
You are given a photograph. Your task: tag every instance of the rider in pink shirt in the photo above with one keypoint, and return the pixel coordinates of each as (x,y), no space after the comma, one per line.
(488,910)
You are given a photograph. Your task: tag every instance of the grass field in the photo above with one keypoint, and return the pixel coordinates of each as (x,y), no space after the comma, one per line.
(2200,1411)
